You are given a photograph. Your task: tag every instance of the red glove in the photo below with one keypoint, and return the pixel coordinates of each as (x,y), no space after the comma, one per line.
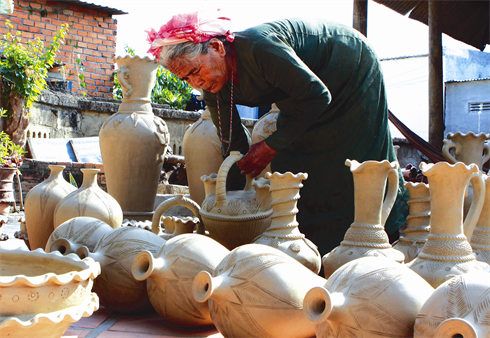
(257,158)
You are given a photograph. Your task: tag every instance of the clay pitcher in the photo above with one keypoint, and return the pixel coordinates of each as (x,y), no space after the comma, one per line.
(258,291)
(418,221)
(283,232)
(133,141)
(263,128)
(480,240)
(169,275)
(367,236)
(235,218)
(447,251)
(40,203)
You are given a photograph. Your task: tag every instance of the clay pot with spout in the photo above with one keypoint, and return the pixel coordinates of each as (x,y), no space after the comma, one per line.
(258,291)
(367,236)
(235,218)
(169,275)
(447,251)
(480,240)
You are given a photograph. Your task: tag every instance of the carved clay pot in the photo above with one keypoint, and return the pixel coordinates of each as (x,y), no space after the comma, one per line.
(418,221)
(116,251)
(447,251)
(367,236)
(263,128)
(367,297)
(203,155)
(42,294)
(77,232)
(175,226)
(40,203)
(235,218)
(90,201)
(170,273)
(480,240)
(459,307)
(133,141)
(6,189)
(283,233)
(258,291)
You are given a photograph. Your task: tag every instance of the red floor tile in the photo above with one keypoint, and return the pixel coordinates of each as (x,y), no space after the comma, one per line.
(73,333)
(94,320)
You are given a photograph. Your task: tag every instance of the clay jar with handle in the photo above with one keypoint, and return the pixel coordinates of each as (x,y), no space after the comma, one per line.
(367,236)
(480,240)
(89,200)
(458,307)
(170,273)
(258,291)
(133,141)
(116,251)
(40,203)
(235,218)
(371,297)
(447,251)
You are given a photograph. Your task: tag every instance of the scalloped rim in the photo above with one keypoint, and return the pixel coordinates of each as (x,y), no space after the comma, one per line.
(458,133)
(90,270)
(427,166)
(133,57)
(418,185)
(74,314)
(304,176)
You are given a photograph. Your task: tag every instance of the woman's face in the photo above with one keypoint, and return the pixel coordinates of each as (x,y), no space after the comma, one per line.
(209,72)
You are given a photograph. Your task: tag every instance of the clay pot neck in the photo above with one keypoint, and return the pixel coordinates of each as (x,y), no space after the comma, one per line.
(89,177)
(56,171)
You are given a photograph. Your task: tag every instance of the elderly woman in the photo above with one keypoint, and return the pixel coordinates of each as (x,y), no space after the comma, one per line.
(327,82)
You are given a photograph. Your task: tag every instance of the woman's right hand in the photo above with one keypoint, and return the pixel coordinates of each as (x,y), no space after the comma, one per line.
(257,158)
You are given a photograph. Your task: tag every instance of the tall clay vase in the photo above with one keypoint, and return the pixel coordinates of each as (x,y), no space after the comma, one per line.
(133,141)
(203,155)
(6,189)
(89,200)
(371,297)
(283,233)
(459,307)
(418,221)
(447,251)
(367,235)
(480,240)
(263,128)
(170,273)
(116,251)
(258,291)
(40,204)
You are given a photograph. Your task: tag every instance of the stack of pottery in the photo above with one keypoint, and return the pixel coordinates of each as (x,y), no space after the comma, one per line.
(42,294)
(170,273)
(235,218)
(480,240)
(367,236)
(40,204)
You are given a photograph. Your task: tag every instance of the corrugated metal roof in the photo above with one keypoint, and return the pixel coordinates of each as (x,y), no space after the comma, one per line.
(113,11)
(469,80)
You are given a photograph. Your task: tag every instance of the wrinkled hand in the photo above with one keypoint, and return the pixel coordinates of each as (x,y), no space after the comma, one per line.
(257,158)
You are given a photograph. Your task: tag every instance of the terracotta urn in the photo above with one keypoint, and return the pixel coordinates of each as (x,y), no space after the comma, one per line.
(40,203)
(371,297)
(175,226)
(133,142)
(90,201)
(418,221)
(6,189)
(203,155)
(447,251)
(283,232)
(42,294)
(170,273)
(458,307)
(234,218)
(116,250)
(263,128)
(480,240)
(258,291)
(77,232)
(367,236)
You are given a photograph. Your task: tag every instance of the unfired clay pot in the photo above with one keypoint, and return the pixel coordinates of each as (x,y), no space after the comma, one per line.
(263,128)
(459,307)
(116,251)
(367,236)
(77,232)
(89,200)
(170,273)
(258,291)
(480,240)
(371,297)
(40,203)
(418,221)
(42,294)
(447,251)
(7,193)
(283,232)
(235,218)
(133,141)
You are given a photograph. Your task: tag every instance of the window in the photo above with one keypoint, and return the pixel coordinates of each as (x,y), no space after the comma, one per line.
(479,107)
